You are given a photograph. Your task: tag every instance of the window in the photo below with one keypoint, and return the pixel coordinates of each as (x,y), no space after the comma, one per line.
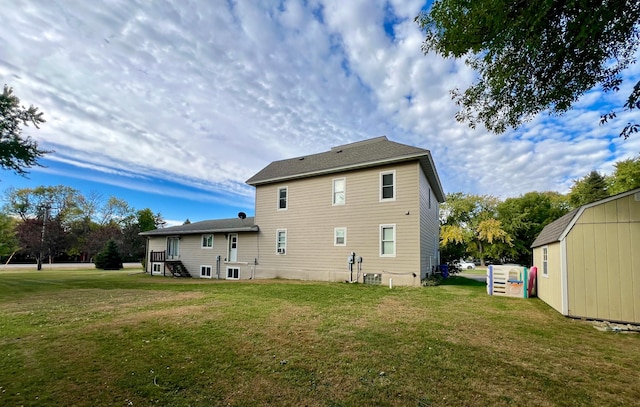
(340,236)
(282,198)
(545,262)
(375,279)
(387,186)
(207,241)
(281,241)
(339,191)
(387,240)
(156,268)
(429,198)
(233,273)
(205,271)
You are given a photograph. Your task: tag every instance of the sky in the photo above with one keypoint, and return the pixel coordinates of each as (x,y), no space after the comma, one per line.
(172,105)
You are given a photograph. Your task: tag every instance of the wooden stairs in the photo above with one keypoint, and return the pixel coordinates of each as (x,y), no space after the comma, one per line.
(177,268)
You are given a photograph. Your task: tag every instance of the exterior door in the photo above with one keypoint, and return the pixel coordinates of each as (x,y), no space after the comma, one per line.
(233,248)
(173,248)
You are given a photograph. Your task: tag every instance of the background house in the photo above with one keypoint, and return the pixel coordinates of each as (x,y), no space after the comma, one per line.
(366,211)
(589,260)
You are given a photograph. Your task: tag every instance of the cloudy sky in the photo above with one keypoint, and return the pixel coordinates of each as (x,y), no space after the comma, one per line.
(173,104)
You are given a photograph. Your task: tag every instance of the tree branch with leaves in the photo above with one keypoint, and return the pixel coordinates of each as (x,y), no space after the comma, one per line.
(534,56)
(16,151)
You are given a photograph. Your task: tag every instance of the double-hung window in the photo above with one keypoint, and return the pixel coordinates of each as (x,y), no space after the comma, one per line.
(339,191)
(388,186)
(281,241)
(545,261)
(207,241)
(283,193)
(387,240)
(340,236)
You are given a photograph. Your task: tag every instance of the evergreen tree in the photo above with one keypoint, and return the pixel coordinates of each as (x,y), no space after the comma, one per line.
(591,188)
(17,152)
(109,258)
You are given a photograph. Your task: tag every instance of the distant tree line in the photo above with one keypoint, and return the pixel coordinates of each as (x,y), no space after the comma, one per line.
(488,229)
(58,223)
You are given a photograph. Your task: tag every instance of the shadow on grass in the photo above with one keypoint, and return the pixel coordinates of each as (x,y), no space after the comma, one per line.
(457,280)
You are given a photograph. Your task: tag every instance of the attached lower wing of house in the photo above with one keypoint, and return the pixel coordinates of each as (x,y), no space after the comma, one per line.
(362,212)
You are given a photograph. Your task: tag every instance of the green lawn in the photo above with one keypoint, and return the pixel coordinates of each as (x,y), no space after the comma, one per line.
(93,338)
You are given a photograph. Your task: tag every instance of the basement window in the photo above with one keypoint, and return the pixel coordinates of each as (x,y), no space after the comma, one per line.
(375,279)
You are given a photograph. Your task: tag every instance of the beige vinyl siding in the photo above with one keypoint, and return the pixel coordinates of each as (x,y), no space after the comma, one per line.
(604,262)
(549,287)
(311,217)
(193,255)
(156,244)
(429,226)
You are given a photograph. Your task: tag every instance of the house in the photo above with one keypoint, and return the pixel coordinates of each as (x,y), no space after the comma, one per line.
(219,248)
(365,211)
(589,260)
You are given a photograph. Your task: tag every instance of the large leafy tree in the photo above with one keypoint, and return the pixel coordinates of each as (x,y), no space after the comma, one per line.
(626,176)
(46,213)
(469,225)
(8,241)
(533,56)
(16,151)
(524,217)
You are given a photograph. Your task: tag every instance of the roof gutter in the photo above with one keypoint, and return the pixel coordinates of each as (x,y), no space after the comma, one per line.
(161,232)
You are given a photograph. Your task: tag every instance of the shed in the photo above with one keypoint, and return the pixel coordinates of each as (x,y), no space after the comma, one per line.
(589,260)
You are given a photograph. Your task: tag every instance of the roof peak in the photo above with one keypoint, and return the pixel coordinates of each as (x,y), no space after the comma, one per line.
(359,143)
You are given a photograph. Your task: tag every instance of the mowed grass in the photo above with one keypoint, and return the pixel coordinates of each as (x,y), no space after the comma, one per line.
(93,338)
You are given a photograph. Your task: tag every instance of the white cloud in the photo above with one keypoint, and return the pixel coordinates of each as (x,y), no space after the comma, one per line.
(206,95)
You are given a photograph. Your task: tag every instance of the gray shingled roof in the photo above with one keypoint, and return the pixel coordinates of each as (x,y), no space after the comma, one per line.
(552,232)
(368,153)
(207,226)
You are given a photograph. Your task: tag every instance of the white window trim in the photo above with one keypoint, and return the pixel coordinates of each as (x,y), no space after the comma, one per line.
(278,251)
(286,188)
(202,246)
(391,225)
(159,271)
(233,278)
(333,190)
(395,181)
(210,271)
(545,262)
(335,236)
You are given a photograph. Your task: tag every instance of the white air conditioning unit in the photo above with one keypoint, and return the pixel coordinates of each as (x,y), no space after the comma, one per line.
(280,250)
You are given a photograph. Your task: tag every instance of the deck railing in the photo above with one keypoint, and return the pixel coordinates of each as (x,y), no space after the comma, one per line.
(158,256)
